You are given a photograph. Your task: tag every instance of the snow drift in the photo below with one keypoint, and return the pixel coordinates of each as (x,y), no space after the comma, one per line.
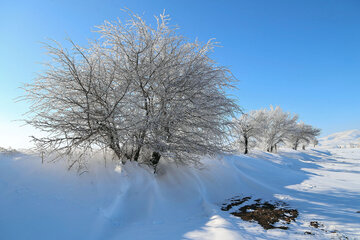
(44,201)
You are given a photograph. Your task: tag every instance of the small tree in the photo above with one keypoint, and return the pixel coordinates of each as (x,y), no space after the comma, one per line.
(247,130)
(145,93)
(315,142)
(268,128)
(302,134)
(276,126)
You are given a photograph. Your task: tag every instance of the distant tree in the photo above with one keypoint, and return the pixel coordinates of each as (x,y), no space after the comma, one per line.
(145,93)
(269,128)
(276,127)
(302,134)
(315,142)
(247,130)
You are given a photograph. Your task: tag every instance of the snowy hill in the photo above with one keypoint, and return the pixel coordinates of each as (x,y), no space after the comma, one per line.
(346,139)
(44,201)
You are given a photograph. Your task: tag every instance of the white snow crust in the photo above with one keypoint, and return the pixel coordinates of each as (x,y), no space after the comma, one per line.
(45,201)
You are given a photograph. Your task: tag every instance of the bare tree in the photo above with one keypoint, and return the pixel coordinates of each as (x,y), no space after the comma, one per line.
(145,93)
(276,126)
(303,134)
(247,130)
(315,142)
(269,128)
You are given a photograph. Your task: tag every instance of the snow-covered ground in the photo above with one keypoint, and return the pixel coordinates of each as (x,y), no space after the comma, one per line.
(44,201)
(346,139)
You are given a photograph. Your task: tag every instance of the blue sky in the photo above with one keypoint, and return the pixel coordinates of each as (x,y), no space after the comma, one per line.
(303,55)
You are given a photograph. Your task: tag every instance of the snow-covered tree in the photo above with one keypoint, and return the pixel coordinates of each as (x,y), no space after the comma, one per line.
(315,142)
(247,131)
(269,128)
(302,134)
(276,126)
(145,93)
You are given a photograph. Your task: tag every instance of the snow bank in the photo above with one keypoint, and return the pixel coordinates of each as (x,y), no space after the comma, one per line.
(44,201)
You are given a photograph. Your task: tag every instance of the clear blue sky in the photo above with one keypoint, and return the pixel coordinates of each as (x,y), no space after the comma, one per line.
(303,55)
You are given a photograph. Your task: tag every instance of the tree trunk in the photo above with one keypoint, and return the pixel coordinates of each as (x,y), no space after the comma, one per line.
(140,142)
(137,154)
(296,145)
(246,142)
(155,158)
(115,147)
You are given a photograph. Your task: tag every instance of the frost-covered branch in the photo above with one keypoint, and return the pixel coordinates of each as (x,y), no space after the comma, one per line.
(145,93)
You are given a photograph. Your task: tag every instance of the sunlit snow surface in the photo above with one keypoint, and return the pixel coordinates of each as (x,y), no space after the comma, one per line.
(44,201)
(346,139)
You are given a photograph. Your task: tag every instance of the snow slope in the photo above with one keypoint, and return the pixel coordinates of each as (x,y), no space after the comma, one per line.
(44,201)
(346,139)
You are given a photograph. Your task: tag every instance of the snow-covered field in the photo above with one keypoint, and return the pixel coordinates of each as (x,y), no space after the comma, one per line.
(345,139)
(44,201)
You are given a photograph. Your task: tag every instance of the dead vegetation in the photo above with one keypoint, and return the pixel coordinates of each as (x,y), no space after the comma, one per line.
(266,213)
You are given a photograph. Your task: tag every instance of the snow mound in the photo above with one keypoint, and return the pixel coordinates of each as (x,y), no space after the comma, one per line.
(44,201)
(346,139)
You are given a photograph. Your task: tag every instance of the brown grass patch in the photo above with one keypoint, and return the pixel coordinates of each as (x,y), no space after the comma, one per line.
(265,213)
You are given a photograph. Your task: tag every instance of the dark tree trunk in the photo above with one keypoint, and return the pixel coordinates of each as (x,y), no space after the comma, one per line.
(137,154)
(140,142)
(115,147)
(246,143)
(303,147)
(296,144)
(155,158)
